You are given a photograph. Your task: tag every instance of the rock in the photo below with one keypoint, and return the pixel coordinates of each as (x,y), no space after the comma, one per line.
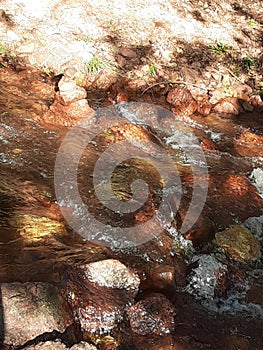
(31,309)
(153,315)
(83,346)
(30,88)
(203,105)
(255,225)
(227,106)
(99,293)
(70,92)
(255,294)
(113,274)
(239,243)
(216,96)
(121,61)
(182,102)
(249,144)
(205,279)
(257,177)
(241,91)
(256,102)
(216,75)
(49,345)
(104,80)
(188,74)
(201,231)
(159,277)
(60,114)
(247,106)
(126,52)
(232,193)
(207,144)
(121,97)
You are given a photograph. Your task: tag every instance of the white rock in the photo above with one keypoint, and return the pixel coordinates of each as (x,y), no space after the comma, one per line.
(70,92)
(257,177)
(112,274)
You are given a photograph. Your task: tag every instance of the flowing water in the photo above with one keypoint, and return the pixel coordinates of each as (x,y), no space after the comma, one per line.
(38,244)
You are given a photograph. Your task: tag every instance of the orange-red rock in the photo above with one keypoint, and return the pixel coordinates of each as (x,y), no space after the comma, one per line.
(182,102)
(228,106)
(203,105)
(207,144)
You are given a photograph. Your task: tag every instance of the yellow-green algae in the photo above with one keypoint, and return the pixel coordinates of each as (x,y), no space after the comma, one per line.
(239,243)
(34,228)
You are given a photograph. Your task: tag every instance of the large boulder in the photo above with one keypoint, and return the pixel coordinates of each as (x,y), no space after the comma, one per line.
(31,309)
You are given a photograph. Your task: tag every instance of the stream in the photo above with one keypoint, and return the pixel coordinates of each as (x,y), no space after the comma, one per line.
(38,244)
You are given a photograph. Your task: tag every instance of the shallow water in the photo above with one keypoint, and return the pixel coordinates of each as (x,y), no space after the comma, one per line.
(38,244)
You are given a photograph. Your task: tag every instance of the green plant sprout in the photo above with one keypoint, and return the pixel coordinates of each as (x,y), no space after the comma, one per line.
(252,24)
(219,48)
(95,65)
(248,62)
(152,70)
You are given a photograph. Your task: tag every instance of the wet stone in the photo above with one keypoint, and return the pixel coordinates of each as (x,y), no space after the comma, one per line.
(255,294)
(255,225)
(230,193)
(31,309)
(204,279)
(239,243)
(57,345)
(99,293)
(113,274)
(152,316)
(233,342)
(249,144)
(159,277)
(207,144)
(182,102)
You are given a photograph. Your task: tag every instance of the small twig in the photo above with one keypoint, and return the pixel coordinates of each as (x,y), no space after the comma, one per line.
(172,83)
(153,85)
(233,75)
